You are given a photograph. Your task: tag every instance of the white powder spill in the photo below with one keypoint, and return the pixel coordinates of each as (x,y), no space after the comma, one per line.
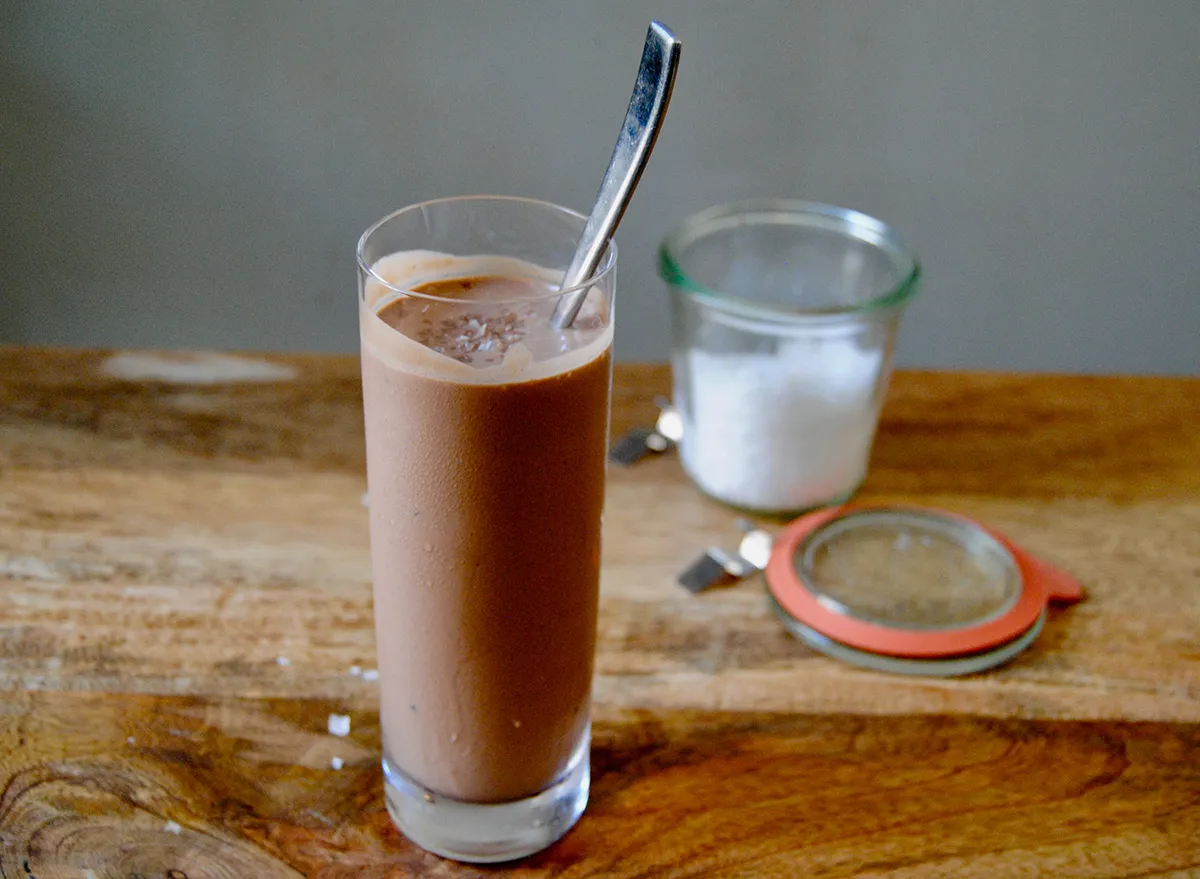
(370,674)
(172,827)
(24,567)
(339,725)
(780,431)
(199,368)
(282,661)
(336,763)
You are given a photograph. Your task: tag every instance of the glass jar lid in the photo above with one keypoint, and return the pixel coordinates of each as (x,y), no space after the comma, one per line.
(910,589)
(907,569)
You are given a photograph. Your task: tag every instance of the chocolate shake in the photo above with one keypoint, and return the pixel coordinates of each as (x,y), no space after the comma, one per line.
(486,439)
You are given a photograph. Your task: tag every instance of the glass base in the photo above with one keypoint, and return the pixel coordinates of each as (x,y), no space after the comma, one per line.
(484,833)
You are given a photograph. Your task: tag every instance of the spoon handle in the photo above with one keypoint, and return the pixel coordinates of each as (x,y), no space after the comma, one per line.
(647,107)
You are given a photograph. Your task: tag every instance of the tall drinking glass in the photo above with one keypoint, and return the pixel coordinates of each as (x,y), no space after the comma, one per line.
(486,434)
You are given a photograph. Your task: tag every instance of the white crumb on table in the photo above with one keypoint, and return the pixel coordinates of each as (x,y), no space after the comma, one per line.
(370,674)
(131,741)
(172,827)
(355,671)
(339,725)
(282,660)
(336,763)
(365,499)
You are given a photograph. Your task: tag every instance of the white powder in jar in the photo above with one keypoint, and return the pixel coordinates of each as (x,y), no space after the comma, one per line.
(781,431)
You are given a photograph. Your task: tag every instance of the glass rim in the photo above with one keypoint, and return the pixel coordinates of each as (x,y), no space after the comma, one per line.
(606,267)
(790,212)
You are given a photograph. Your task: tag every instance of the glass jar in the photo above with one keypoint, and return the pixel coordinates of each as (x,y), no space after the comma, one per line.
(784,320)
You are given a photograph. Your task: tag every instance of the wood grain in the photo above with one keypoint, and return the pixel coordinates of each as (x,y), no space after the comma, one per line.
(183,563)
(94,782)
(162,537)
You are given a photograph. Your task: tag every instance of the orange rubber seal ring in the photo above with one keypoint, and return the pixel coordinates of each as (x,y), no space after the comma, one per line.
(1041,583)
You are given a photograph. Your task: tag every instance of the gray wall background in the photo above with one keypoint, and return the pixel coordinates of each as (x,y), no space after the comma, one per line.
(196,173)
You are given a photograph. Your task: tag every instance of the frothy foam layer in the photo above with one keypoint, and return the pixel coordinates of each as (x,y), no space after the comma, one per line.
(476,319)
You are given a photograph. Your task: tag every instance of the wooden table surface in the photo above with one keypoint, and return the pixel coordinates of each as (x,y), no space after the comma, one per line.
(183,558)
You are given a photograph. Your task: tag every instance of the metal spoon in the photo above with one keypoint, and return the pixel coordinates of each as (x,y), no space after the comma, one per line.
(643,119)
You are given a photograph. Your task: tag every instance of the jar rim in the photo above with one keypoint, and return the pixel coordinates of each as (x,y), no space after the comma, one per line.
(792,212)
